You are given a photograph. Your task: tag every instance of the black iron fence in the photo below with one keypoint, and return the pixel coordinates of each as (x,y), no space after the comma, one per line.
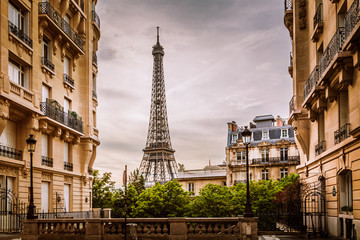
(320,147)
(318,18)
(46,161)
(52,111)
(342,133)
(289,159)
(94,58)
(10,152)
(351,18)
(292,105)
(311,81)
(20,34)
(95,18)
(287,5)
(47,63)
(68,80)
(12,211)
(46,8)
(68,166)
(94,94)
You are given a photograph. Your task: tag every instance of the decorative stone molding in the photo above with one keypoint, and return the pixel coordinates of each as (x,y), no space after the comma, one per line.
(66,136)
(25,172)
(76,140)
(75,59)
(42,25)
(64,47)
(84,180)
(302,14)
(68,180)
(57,132)
(46,177)
(64,7)
(20,46)
(282,143)
(264,144)
(33,122)
(56,43)
(8,171)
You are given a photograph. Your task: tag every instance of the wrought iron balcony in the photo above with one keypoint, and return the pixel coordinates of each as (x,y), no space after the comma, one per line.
(95,18)
(94,94)
(68,166)
(47,63)
(80,4)
(46,161)
(287,5)
(94,58)
(56,113)
(90,170)
(46,8)
(10,152)
(291,59)
(20,34)
(238,162)
(318,18)
(292,105)
(311,81)
(334,46)
(351,18)
(342,133)
(289,159)
(68,80)
(320,148)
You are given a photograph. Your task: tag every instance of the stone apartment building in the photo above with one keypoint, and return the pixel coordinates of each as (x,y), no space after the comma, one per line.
(272,150)
(48,88)
(325,107)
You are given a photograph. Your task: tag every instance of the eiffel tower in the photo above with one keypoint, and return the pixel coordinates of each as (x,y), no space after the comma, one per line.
(158,163)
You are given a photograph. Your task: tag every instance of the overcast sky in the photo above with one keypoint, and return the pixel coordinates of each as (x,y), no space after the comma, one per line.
(224,60)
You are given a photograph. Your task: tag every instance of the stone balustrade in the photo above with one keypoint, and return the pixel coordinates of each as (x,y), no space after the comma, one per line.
(141,229)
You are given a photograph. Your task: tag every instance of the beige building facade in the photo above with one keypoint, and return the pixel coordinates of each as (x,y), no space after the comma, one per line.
(48,88)
(272,151)
(325,107)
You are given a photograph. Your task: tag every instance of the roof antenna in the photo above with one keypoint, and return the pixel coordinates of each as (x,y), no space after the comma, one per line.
(157,34)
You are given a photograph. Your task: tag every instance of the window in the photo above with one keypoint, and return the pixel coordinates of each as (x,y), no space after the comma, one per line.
(66,110)
(66,152)
(265,174)
(265,155)
(66,197)
(321,127)
(19,18)
(343,100)
(45,93)
(283,172)
(234,137)
(191,187)
(345,189)
(283,154)
(8,136)
(94,82)
(67,66)
(46,49)
(44,145)
(45,197)
(284,133)
(18,74)
(265,135)
(241,156)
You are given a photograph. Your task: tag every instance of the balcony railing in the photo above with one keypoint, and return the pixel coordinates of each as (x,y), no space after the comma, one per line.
(351,18)
(94,94)
(68,166)
(287,5)
(68,80)
(320,148)
(291,59)
(20,34)
(90,170)
(292,105)
(95,18)
(47,63)
(46,161)
(54,112)
(311,82)
(46,8)
(94,58)
(334,46)
(318,18)
(289,159)
(342,133)
(10,152)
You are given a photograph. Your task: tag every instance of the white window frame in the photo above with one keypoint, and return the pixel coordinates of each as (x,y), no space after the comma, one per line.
(234,138)
(66,152)
(242,155)
(265,135)
(67,194)
(19,17)
(265,155)
(45,197)
(44,145)
(284,154)
(191,187)
(67,66)
(284,130)
(265,174)
(46,49)
(45,93)
(18,73)
(283,172)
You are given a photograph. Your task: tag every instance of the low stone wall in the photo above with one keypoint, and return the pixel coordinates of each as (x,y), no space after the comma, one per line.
(141,229)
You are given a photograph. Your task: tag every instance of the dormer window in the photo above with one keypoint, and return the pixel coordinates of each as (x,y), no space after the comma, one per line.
(284,133)
(265,135)
(234,137)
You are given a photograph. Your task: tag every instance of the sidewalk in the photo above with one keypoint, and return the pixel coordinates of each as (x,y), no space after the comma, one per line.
(10,236)
(292,237)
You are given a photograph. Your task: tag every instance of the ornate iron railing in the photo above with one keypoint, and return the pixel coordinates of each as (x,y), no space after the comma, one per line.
(320,147)
(68,80)
(46,161)
(289,159)
(287,5)
(291,59)
(318,18)
(20,34)
(47,63)
(334,46)
(342,133)
(311,81)
(90,170)
(46,8)
(68,166)
(94,58)
(292,105)
(94,94)
(59,115)
(351,18)
(95,18)
(10,152)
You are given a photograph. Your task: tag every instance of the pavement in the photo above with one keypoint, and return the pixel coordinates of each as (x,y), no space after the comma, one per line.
(10,236)
(292,237)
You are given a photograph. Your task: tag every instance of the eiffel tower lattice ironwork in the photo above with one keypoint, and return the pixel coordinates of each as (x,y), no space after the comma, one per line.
(158,163)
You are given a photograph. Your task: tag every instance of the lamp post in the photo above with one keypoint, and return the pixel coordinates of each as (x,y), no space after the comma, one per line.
(31,143)
(246,135)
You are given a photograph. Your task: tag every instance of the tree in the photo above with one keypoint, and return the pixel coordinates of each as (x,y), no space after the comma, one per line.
(102,190)
(137,180)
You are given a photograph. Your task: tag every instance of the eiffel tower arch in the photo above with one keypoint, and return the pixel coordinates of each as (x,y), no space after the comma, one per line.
(158,163)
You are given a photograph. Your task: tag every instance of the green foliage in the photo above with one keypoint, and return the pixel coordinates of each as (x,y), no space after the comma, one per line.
(102,190)
(137,180)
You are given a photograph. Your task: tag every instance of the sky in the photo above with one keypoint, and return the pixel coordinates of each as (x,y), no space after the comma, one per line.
(225,60)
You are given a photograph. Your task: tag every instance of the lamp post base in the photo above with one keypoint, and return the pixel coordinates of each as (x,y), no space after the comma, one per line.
(31,212)
(248,211)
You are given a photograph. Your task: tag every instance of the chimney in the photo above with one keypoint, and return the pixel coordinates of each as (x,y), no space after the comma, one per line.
(232,126)
(279,121)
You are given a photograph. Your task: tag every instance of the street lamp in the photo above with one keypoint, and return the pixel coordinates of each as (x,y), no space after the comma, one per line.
(31,144)
(246,135)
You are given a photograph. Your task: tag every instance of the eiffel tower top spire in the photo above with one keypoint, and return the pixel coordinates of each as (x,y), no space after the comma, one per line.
(158,163)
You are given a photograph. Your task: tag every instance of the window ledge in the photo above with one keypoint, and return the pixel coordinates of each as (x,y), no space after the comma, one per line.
(47,70)
(13,37)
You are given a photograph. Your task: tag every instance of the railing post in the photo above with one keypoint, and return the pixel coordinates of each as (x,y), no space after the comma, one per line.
(248,228)
(30,230)
(178,229)
(107,212)
(96,212)
(93,229)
